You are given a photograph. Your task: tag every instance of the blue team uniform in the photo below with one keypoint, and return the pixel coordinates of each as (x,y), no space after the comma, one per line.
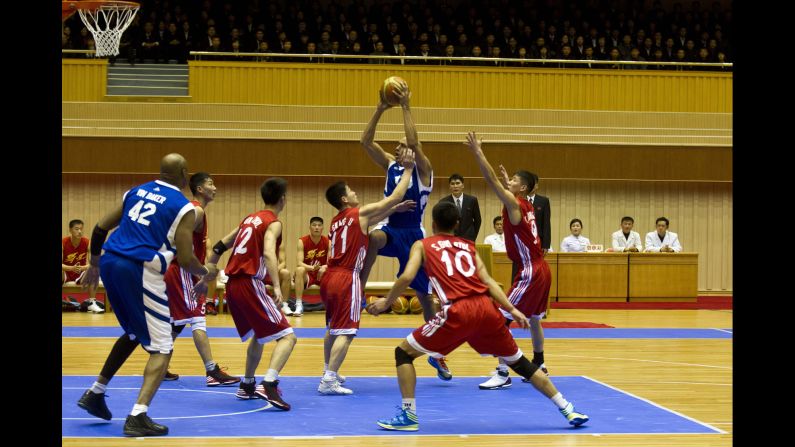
(136,257)
(403,229)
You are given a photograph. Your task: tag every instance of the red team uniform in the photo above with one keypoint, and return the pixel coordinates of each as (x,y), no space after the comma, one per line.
(314,253)
(530,288)
(74,256)
(179,284)
(253,310)
(341,288)
(468,313)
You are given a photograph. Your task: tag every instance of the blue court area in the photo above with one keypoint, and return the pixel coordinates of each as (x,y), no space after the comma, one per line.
(221,332)
(457,407)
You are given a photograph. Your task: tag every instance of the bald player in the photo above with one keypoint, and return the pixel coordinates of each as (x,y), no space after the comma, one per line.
(155,224)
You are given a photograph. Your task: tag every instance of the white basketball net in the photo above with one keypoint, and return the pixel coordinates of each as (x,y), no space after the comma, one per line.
(107,23)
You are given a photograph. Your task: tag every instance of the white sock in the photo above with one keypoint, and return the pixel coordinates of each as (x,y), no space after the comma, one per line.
(502,367)
(329,376)
(249,380)
(559,400)
(325,367)
(138,409)
(410,404)
(271,375)
(98,388)
(209,366)
(299,301)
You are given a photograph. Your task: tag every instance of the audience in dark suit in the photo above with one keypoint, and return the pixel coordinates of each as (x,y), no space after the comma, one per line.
(469,226)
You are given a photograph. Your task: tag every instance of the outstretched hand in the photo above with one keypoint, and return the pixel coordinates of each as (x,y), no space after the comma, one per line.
(504,178)
(199,289)
(377,307)
(406,158)
(520,318)
(406,205)
(473,143)
(403,93)
(91,277)
(382,104)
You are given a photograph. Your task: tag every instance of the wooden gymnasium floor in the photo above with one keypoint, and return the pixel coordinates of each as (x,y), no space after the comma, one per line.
(689,376)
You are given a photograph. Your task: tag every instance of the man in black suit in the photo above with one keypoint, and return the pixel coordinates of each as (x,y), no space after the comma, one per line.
(541,207)
(469,226)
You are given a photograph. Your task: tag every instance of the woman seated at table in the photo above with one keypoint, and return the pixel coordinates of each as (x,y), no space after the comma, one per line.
(575,243)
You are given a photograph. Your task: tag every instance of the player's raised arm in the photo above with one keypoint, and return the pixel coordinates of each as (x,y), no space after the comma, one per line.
(416,259)
(368,212)
(424,168)
(402,207)
(381,157)
(504,194)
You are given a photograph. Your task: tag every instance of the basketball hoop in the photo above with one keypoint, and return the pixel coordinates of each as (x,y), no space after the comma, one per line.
(106,20)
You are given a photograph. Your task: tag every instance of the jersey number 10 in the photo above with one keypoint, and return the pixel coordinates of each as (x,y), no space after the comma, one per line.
(458,264)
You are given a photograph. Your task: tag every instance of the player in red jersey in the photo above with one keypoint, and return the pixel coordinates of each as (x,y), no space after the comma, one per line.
(312,253)
(255,313)
(185,307)
(341,286)
(74,262)
(530,289)
(463,285)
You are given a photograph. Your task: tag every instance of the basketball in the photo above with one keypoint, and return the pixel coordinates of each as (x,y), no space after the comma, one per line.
(414,305)
(371,299)
(401,305)
(388,89)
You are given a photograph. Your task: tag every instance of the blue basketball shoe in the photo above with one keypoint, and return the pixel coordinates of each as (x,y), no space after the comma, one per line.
(574,418)
(406,420)
(441,367)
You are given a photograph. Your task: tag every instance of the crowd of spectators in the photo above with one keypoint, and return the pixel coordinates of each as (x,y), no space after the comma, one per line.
(598,30)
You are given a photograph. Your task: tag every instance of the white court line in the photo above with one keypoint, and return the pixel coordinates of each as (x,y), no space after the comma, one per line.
(722,330)
(172,417)
(684,383)
(642,360)
(657,405)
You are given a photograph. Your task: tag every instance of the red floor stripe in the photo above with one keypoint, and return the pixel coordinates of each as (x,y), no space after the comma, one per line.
(702,302)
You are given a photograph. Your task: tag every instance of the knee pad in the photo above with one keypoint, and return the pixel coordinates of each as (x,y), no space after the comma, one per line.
(402,357)
(177,329)
(198,326)
(524,367)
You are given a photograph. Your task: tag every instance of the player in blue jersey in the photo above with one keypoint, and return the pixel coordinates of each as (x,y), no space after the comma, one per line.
(155,223)
(394,235)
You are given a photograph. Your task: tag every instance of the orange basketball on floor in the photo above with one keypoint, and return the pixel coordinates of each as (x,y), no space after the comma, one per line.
(388,89)
(414,305)
(401,305)
(370,299)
